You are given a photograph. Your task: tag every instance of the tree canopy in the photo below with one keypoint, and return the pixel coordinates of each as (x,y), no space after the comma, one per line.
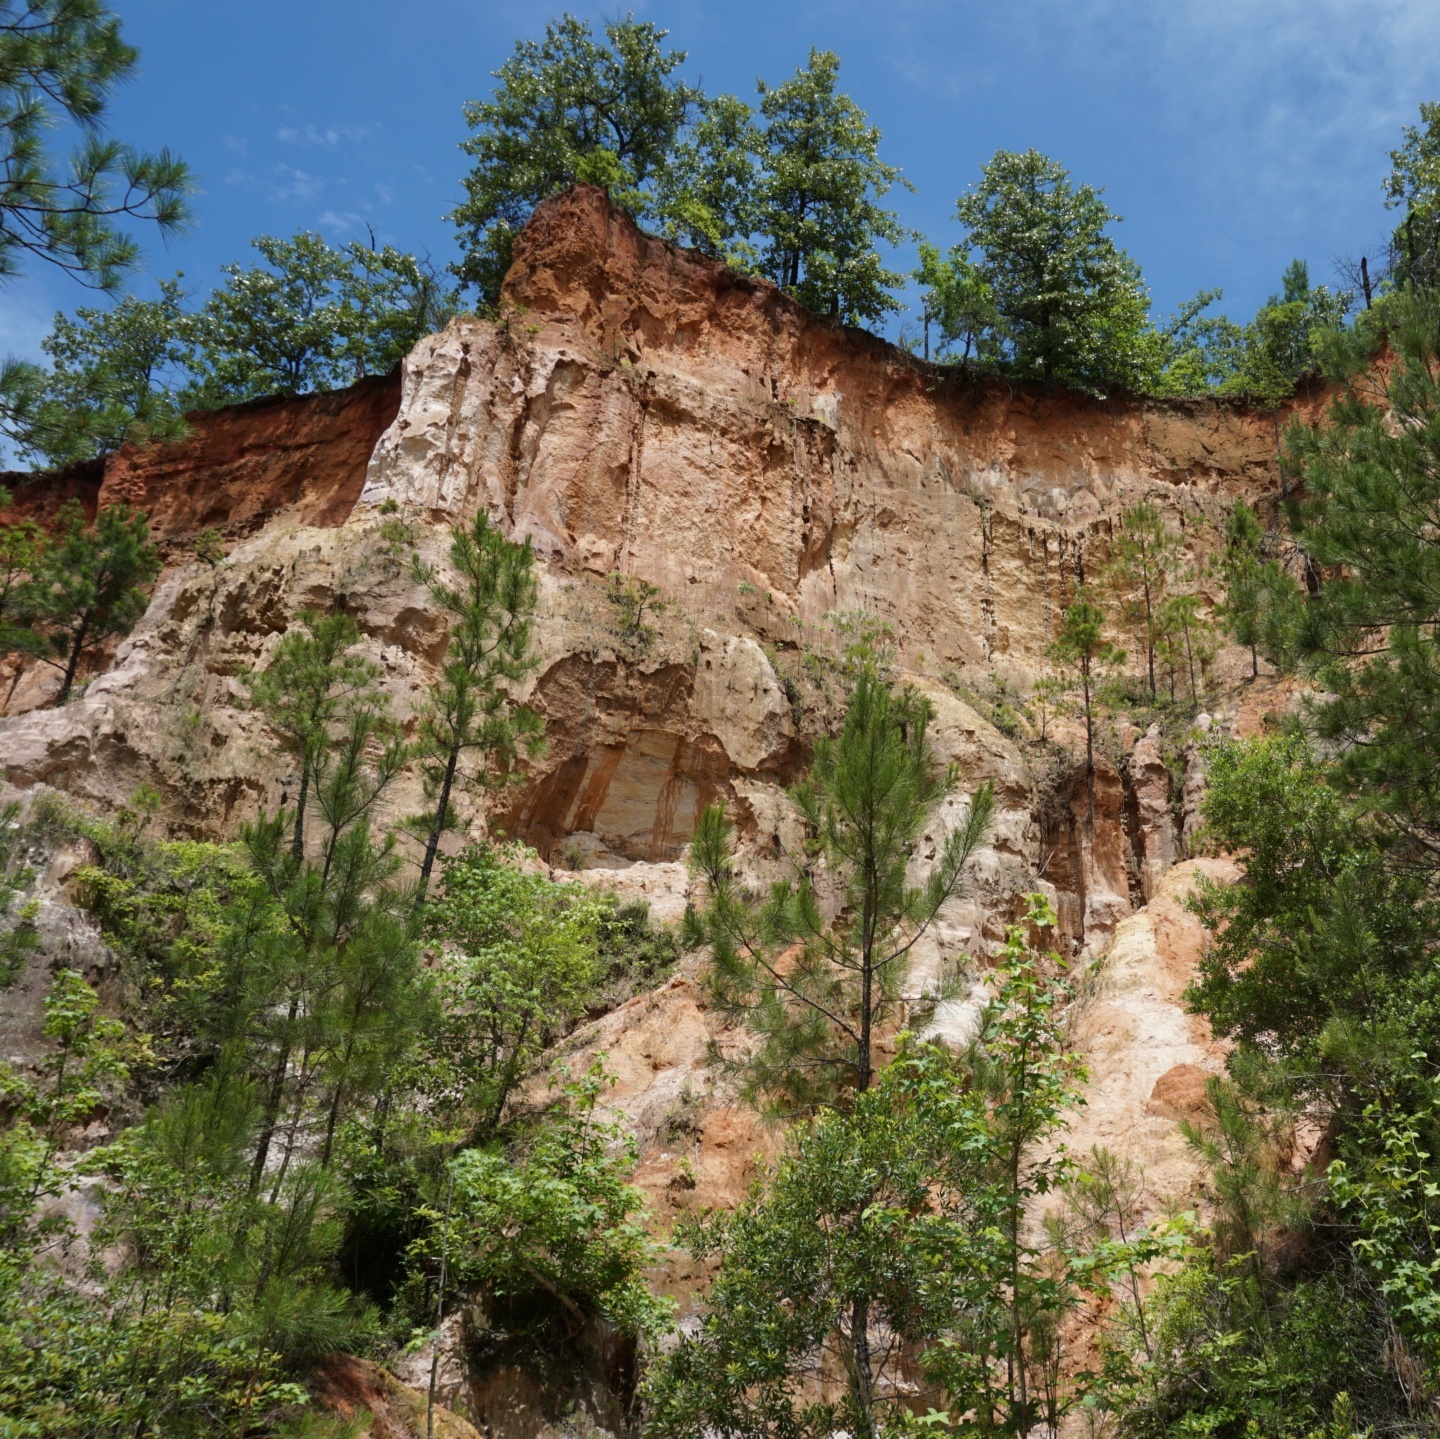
(1069,303)
(567,108)
(60,63)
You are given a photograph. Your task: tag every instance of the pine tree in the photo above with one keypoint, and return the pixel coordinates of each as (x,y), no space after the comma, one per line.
(310,680)
(817,1011)
(1372,484)
(60,62)
(1082,649)
(1141,565)
(1187,643)
(91,583)
(471,709)
(1259,593)
(331,987)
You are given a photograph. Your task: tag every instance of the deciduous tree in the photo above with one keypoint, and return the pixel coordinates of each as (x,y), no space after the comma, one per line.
(821,183)
(1070,303)
(567,108)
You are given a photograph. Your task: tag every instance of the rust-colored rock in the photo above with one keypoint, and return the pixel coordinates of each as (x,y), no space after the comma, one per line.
(1180,1093)
(646,409)
(40,496)
(236,466)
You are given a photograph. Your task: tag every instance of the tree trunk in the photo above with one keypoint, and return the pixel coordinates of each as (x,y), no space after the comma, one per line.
(860,1351)
(297,842)
(432,844)
(74,663)
(1089,753)
(1150,638)
(272,1104)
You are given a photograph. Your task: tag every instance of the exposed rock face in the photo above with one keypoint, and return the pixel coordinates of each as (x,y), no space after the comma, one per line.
(646,410)
(237,467)
(1148,1058)
(347,1387)
(1150,784)
(640,409)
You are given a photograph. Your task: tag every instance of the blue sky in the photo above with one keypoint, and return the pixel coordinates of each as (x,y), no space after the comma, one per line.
(1232,135)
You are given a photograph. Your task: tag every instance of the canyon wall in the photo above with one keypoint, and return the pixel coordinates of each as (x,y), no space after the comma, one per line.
(646,417)
(639,410)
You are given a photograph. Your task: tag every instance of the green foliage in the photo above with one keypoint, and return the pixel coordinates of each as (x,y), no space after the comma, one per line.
(217,1291)
(1321,962)
(866,801)
(90,583)
(61,61)
(1261,361)
(23,546)
(1389,1188)
(1003,1360)
(707,192)
(1082,649)
(794,193)
(1320,931)
(85,1062)
(314,690)
(521,963)
(471,709)
(1226,1366)
(1258,590)
(864,1238)
(1069,304)
(112,378)
(1185,642)
(818,207)
(555,1233)
(1372,485)
(566,109)
(19,937)
(312,317)
(629,597)
(957,300)
(895,1227)
(1143,555)
(1413,185)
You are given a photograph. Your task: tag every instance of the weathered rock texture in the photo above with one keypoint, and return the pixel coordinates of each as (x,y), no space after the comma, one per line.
(641,410)
(646,410)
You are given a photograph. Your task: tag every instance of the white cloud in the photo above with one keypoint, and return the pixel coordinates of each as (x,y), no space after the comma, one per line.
(288,183)
(323,137)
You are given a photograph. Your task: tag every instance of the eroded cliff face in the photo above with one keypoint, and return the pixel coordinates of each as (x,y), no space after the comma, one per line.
(638,409)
